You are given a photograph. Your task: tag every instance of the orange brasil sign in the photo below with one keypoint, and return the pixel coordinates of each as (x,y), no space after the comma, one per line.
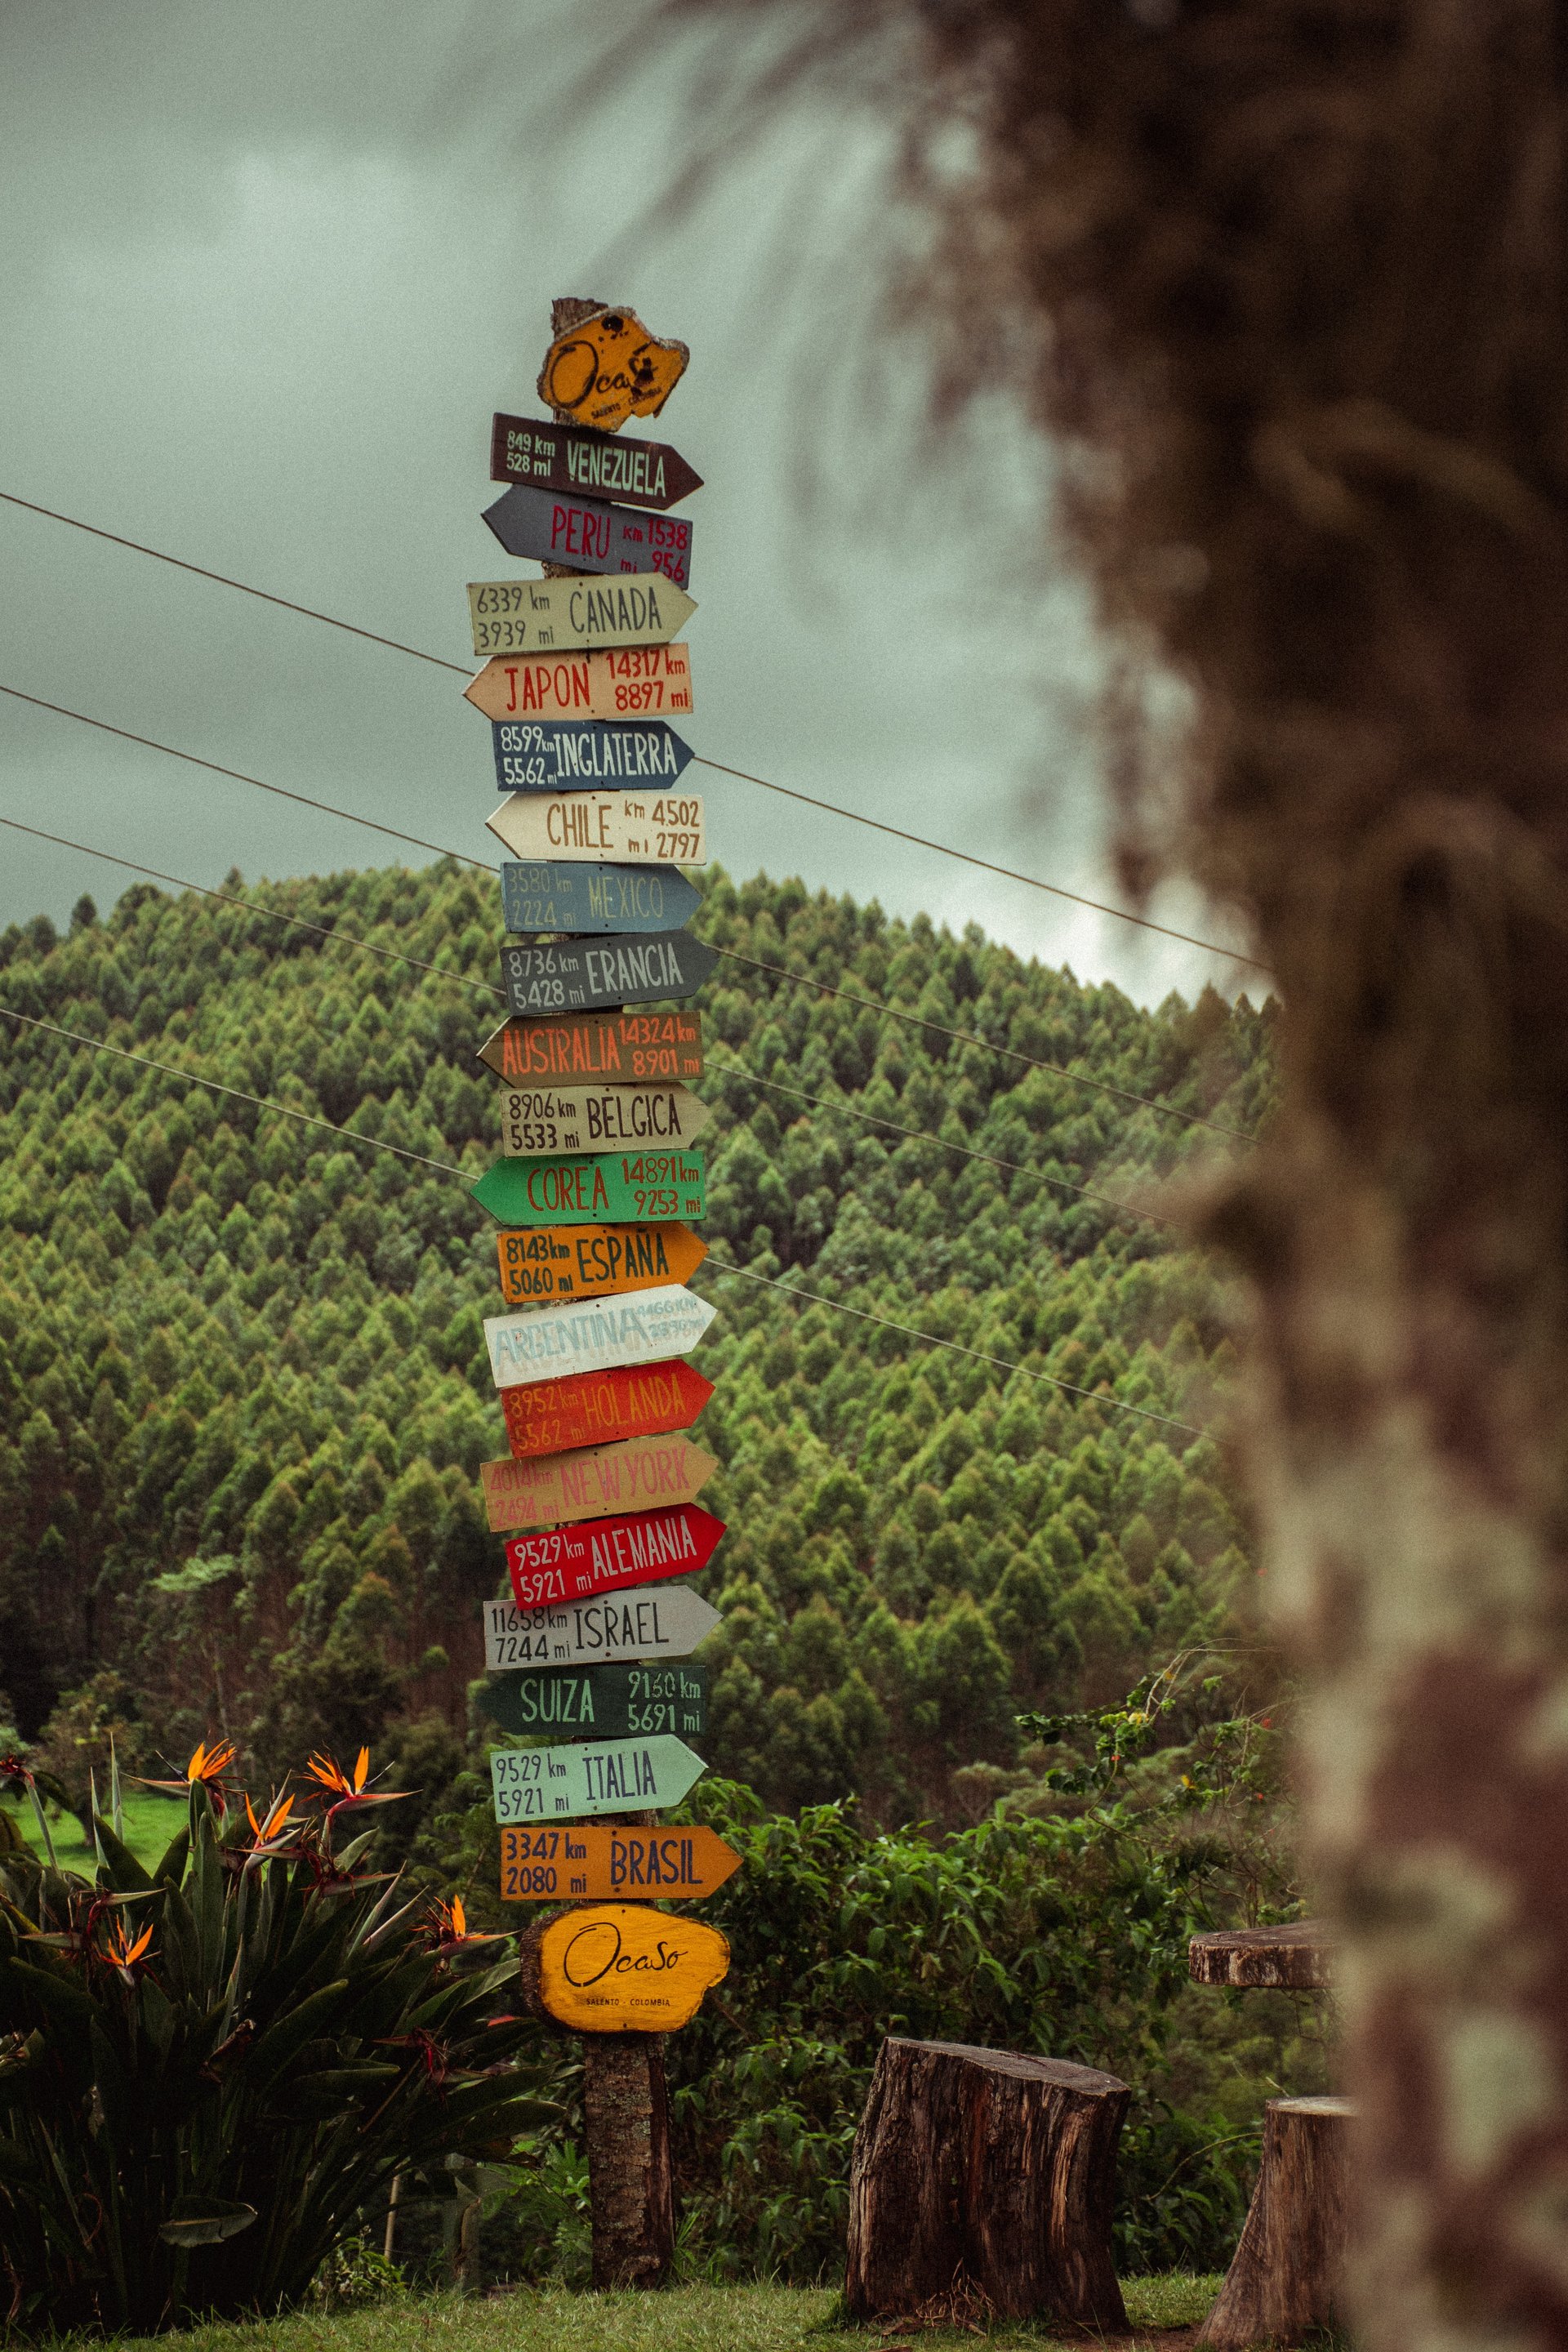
(601,1861)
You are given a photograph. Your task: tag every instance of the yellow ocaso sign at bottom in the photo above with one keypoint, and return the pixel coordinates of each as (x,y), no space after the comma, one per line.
(622,1967)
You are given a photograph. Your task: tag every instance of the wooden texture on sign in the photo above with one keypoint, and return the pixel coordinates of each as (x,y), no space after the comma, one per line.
(591,1408)
(603,464)
(598,1702)
(621,1967)
(632,1474)
(595,1864)
(642,828)
(556,527)
(538,1121)
(620,1048)
(594,1188)
(639,682)
(575,1563)
(554,976)
(607,368)
(591,899)
(539,1267)
(566,755)
(586,616)
(595,1335)
(601,1775)
(654,1620)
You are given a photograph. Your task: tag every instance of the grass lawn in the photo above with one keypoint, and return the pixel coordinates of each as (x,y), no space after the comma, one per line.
(149,1823)
(683,2319)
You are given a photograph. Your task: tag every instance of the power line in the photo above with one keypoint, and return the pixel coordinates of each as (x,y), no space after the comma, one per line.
(254,906)
(924,1135)
(798,979)
(337,936)
(259,1102)
(787,792)
(792,1290)
(449,1168)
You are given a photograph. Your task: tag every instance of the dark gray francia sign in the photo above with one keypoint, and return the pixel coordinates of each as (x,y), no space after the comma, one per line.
(585,975)
(574,457)
(600,1702)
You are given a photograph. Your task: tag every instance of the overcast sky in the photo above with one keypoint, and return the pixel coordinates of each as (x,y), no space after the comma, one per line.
(266,272)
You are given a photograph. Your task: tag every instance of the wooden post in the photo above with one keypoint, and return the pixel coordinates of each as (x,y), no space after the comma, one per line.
(1286,2277)
(985,2174)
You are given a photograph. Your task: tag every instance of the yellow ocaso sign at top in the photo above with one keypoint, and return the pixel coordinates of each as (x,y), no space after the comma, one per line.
(610,368)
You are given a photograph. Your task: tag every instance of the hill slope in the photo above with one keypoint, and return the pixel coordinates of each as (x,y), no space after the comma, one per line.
(243,1394)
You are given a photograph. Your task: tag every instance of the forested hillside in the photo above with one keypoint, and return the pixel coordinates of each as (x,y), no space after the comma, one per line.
(244,1398)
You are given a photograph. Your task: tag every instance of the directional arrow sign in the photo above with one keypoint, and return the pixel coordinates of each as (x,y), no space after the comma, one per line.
(538,1121)
(609,1555)
(644,682)
(557,528)
(603,1775)
(574,457)
(558,1261)
(594,1480)
(563,755)
(551,1416)
(620,1047)
(590,975)
(609,1188)
(599,1702)
(549,616)
(594,1336)
(622,1967)
(644,828)
(566,1865)
(590,898)
(655,1621)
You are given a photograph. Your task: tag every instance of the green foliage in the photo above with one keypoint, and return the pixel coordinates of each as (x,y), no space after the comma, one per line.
(209,2069)
(243,1397)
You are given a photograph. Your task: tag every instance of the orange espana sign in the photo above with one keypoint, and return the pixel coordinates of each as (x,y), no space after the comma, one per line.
(544,1263)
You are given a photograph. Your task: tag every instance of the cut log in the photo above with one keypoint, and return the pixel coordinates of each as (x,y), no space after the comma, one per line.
(1297,1958)
(983,2172)
(631,2190)
(1286,2278)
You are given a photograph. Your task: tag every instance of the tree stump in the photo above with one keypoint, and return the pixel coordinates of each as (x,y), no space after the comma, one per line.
(1297,1958)
(1286,2273)
(984,2171)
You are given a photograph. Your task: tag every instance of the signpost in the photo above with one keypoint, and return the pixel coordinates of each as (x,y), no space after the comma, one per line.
(622,1048)
(566,1865)
(562,755)
(644,828)
(594,1261)
(599,1702)
(575,1563)
(621,1968)
(595,897)
(630,1474)
(611,1187)
(574,457)
(555,527)
(548,616)
(594,1336)
(648,681)
(654,1621)
(538,1121)
(590,975)
(591,1408)
(603,1776)
(609,368)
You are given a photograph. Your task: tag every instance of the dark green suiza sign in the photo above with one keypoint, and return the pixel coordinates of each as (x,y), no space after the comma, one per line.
(599,1702)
